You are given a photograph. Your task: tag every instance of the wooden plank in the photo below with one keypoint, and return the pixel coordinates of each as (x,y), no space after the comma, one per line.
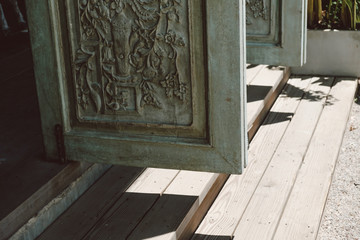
(173,211)
(261,89)
(302,214)
(40,198)
(37,224)
(226,211)
(252,70)
(203,207)
(265,106)
(263,212)
(123,211)
(90,207)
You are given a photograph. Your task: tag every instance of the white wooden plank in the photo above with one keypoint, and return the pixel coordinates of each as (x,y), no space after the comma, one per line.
(263,212)
(265,104)
(252,71)
(260,90)
(225,213)
(302,215)
(128,210)
(170,215)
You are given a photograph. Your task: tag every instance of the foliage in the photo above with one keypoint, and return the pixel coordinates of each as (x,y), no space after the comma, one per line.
(334,14)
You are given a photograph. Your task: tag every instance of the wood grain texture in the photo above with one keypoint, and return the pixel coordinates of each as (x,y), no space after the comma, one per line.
(303,211)
(263,107)
(38,223)
(252,70)
(32,205)
(263,212)
(123,210)
(173,211)
(261,89)
(225,213)
(87,209)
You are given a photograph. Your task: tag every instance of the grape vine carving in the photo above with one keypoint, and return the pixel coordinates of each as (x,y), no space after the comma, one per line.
(128,44)
(257,9)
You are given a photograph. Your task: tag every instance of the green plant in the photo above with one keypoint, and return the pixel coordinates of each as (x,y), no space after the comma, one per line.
(333,14)
(314,12)
(349,13)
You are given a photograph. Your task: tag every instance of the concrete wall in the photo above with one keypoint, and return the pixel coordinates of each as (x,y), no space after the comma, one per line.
(332,53)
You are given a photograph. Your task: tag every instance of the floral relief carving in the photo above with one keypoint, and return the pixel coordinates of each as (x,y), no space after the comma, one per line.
(256,9)
(128,50)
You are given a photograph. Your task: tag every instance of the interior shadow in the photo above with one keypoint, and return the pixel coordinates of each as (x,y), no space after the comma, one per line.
(22,167)
(257,93)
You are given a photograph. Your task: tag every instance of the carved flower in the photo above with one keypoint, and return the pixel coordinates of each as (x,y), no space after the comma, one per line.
(169,84)
(181,91)
(170,37)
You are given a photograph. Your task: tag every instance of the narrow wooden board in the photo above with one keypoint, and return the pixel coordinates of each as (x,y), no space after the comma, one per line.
(263,212)
(266,104)
(302,214)
(124,210)
(40,198)
(37,224)
(262,88)
(252,71)
(92,205)
(169,216)
(225,213)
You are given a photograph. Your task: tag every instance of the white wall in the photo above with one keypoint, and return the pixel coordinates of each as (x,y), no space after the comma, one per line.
(332,53)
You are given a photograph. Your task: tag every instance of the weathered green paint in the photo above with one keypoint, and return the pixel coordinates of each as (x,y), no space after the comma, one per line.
(107,114)
(46,70)
(276,32)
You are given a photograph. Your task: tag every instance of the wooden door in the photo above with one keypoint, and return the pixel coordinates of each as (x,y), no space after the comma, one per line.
(145,83)
(276,32)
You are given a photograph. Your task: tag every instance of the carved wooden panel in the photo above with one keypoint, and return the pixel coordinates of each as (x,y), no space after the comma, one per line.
(148,83)
(131,62)
(262,21)
(276,32)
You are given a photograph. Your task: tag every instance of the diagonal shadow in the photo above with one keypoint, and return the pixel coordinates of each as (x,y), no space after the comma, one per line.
(257,93)
(217,237)
(108,211)
(251,66)
(276,117)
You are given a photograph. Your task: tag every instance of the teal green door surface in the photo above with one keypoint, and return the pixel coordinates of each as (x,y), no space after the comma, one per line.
(142,83)
(276,32)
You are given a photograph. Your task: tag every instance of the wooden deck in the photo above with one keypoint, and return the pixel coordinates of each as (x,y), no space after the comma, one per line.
(281,194)
(160,202)
(283,191)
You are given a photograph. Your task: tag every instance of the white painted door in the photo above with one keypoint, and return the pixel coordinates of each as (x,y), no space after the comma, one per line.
(147,83)
(276,32)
